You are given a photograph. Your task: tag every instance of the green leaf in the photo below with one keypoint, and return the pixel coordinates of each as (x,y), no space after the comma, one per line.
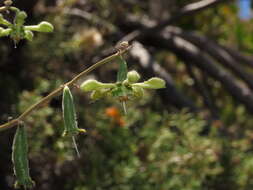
(19,159)
(122,72)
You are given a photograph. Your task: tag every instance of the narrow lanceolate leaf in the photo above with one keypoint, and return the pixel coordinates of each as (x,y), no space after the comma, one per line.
(20,159)
(122,72)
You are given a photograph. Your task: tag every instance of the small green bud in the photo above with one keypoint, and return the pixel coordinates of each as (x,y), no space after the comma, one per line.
(28,35)
(45,27)
(20,17)
(138,92)
(91,84)
(4,32)
(133,76)
(153,83)
(41,27)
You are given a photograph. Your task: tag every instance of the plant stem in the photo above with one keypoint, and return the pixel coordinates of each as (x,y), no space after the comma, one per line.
(6,8)
(124,107)
(75,146)
(58,91)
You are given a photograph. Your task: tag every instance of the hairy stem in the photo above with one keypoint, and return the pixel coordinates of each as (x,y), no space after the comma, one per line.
(58,91)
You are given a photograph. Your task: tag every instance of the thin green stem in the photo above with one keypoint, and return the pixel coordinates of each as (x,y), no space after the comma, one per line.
(75,146)
(58,91)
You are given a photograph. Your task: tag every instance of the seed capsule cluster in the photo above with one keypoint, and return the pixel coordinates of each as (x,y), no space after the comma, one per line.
(17,30)
(126,87)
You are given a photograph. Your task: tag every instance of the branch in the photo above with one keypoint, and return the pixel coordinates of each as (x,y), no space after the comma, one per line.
(185,11)
(203,91)
(90,17)
(56,92)
(190,53)
(241,58)
(216,51)
(149,66)
(4,8)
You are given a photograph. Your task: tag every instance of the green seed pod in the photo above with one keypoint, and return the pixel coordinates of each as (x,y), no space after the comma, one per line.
(153,83)
(91,84)
(19,159)
(133,76)
(69,114)
(28,35)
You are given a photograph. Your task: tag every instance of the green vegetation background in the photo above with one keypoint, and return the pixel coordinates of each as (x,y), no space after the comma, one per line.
(153,146)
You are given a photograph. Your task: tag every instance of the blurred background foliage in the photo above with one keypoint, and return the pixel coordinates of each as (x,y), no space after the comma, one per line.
(156,145)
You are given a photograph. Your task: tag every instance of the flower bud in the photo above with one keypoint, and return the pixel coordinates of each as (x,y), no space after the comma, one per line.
(20,17)
(41,27)
(153,83)
(138,92)
(133,76)
(28,35)
(92,84)
(45,27)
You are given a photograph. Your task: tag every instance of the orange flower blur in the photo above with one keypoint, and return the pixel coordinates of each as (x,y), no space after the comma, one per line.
(114,113)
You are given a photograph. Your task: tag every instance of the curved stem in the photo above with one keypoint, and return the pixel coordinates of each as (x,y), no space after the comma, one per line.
(6,8)
(56,92)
